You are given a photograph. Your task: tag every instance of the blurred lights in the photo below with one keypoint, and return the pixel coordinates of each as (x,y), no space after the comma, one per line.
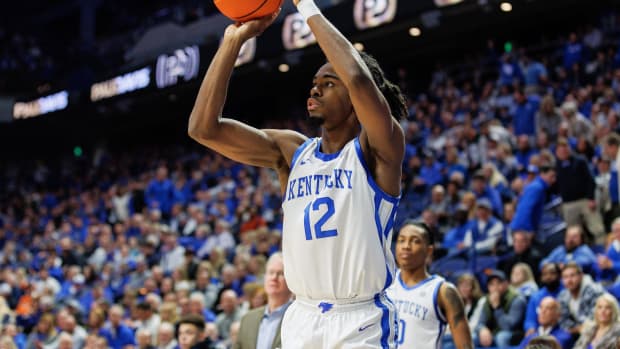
(505,6)
(415,31)
(359,46)
(283,68)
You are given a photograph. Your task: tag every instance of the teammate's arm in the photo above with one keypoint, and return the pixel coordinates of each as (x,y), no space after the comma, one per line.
(231,138)
(385,137)
(452,306)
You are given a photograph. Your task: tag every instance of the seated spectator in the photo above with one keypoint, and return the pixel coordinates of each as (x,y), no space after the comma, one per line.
(573,250)
(502,313)
(549,324)
(118,335)
(165,336)
(485,231)
(230,312)
(604,330)
(609,263)
(481,189)
(522,280)
(456,235)
(44,334)
(551,287)
(469,289)
(523,251)
(143,339)
(543,342)
(578,297)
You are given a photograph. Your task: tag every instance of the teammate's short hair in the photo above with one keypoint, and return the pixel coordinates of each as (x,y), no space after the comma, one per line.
(426,231)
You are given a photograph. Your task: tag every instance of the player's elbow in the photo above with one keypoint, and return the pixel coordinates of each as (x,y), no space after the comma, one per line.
(197,131)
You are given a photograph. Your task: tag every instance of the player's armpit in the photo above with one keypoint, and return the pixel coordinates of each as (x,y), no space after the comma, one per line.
(452,305)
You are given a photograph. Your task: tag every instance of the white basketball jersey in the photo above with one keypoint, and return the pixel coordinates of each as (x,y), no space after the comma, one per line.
(421,323)
(337,226)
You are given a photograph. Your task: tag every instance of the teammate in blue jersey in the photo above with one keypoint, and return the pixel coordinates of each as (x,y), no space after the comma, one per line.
(340,191)
(426,303)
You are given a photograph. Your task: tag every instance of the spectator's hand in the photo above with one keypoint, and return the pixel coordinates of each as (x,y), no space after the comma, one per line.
(486,337)
(604,262)
(530,331)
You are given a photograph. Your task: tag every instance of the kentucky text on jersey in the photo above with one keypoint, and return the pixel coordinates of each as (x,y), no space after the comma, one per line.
(407,307)
(315,184)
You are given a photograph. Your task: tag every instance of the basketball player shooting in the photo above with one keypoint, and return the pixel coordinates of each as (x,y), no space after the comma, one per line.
(425,303)
(340,191)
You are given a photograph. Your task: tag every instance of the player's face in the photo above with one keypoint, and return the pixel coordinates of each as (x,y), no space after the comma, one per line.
(329,101)
(412,249)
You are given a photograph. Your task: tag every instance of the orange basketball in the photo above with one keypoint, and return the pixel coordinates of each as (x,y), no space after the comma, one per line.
(245,10)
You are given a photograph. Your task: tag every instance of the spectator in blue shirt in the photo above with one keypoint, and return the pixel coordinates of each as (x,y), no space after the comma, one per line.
(481,189)
(161,191)
(549,312)
(119,335)
(573,52)
(550,280)
(524,116)
(573,250)
(509,71)
(531,203)
(535,73)
(609,263)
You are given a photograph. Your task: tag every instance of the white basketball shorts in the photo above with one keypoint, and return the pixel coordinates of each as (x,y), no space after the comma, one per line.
(369,324)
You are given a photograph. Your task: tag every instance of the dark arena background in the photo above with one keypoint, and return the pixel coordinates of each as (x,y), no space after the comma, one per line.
(107,205)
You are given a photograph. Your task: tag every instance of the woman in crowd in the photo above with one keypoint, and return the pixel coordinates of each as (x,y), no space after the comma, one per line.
(44,333)
(522,279)
(603,332)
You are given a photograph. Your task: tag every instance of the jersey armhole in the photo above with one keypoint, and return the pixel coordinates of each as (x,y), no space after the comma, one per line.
(360,155)
(438,312)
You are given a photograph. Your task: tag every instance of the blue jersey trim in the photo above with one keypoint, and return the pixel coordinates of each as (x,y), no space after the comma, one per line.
(419,284)
(389,279)
(385,322)
(391,221)
(300,150)
(378,219)
(440,332)
(371,181)
(325,157)
(439,315)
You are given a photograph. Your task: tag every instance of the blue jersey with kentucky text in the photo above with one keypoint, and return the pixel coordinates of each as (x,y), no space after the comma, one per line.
(337,225)
(421,323)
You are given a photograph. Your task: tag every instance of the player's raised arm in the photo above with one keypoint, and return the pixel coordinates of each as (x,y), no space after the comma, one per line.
(452,305)
(371,107)
(228,137)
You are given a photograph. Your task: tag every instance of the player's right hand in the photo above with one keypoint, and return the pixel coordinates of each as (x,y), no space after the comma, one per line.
(250,29)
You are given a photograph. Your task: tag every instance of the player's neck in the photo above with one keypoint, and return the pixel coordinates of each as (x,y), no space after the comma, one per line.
(414,277)
(335,139)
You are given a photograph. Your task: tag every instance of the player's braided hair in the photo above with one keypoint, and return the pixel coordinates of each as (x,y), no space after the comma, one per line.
(390,91)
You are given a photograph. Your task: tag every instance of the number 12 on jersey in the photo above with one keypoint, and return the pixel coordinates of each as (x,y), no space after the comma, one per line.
(315,205)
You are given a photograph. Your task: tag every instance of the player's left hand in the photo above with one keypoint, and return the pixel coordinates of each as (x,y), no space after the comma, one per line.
(251,28)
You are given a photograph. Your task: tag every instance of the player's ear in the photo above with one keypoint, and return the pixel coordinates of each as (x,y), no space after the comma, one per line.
(430,249)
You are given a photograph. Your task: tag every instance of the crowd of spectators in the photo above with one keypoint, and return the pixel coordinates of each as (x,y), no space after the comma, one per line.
(112,249)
